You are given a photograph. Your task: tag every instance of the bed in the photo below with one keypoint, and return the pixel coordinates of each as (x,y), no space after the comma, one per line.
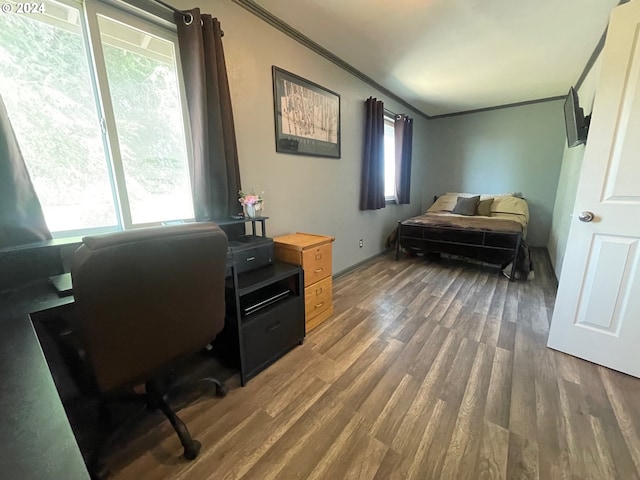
(492,230)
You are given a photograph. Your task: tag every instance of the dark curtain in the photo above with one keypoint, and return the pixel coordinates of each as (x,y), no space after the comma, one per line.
(403,127)
(372,180)
(216,175)
(21,217)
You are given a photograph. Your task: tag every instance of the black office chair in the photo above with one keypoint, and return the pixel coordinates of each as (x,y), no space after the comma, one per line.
(146,299)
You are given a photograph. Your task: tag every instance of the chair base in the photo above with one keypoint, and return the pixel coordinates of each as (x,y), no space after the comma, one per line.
(155,398)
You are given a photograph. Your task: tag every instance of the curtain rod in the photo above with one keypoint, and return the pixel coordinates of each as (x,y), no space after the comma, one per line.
(396,115)
(389,112)
(187,17)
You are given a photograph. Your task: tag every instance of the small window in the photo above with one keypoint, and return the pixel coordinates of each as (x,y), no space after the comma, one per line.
(389,158)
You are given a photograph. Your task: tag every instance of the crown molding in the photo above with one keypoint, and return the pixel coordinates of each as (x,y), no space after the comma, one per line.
(288,30)
(499,107)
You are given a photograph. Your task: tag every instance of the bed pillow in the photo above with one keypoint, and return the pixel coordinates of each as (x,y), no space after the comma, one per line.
(484,207)
(486,196)
(511,205)
(444,203)
(466,205)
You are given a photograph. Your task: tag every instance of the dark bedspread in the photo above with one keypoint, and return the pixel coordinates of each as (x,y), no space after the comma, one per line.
(466,222)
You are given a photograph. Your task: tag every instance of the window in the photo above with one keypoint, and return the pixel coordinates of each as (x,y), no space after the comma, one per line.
(389,158)
(97,108)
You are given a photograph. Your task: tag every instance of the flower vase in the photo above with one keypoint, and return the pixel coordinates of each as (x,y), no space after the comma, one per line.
(251,211)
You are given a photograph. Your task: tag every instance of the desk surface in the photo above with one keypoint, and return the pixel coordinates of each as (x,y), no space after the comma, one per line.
(36,440)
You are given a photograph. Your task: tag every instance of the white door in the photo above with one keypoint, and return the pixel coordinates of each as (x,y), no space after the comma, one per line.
(597,312)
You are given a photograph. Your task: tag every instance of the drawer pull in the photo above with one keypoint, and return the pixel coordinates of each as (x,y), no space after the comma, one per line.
(318,256)
(273,327)
(318,291)
(319,305)
(250,259)
(318,270)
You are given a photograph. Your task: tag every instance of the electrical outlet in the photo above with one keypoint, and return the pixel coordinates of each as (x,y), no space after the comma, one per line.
(361,243)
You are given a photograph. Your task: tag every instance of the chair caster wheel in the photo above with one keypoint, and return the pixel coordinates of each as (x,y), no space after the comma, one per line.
(221,390)
(192,451)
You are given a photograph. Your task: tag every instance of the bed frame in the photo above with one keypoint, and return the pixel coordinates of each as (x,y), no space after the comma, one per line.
(473,243)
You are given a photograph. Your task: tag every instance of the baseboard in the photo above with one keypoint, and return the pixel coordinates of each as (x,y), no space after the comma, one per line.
(550,265)
(355,266)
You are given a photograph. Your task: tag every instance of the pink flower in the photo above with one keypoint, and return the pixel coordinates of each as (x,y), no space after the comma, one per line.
(251,199)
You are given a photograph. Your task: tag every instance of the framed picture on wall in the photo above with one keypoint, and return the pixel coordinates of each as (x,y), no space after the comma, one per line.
(307,116)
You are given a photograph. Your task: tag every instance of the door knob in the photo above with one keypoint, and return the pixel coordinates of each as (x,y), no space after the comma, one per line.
(586,216)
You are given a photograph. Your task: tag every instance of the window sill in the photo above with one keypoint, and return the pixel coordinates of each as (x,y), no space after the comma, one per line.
(390,201)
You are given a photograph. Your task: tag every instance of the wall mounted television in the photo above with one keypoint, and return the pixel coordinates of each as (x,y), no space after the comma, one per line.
(576,123)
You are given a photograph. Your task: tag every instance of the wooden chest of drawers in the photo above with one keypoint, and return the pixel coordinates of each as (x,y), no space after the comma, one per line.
(313,253)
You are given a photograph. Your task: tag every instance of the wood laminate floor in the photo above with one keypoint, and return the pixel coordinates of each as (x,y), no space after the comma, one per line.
(427,370)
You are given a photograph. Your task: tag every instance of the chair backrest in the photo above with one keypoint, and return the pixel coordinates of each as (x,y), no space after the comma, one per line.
(148,297)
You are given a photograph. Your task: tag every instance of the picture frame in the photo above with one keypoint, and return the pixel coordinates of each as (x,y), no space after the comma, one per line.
(307,116)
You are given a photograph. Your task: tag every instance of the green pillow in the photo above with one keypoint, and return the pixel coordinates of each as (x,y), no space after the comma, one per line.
(484,207)
(466,205)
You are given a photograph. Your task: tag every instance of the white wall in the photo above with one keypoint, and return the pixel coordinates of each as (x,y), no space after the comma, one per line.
(503,150)
(568,182)
(306,194)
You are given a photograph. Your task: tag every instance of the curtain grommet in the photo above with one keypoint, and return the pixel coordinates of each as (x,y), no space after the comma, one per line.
(188,19)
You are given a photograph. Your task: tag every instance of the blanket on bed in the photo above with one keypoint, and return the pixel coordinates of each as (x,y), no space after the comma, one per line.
(465,222)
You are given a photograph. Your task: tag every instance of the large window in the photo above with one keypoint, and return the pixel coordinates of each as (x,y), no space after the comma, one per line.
(389,158)
(97,108)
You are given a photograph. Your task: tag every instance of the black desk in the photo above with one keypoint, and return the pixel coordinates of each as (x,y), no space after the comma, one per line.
(36,440)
